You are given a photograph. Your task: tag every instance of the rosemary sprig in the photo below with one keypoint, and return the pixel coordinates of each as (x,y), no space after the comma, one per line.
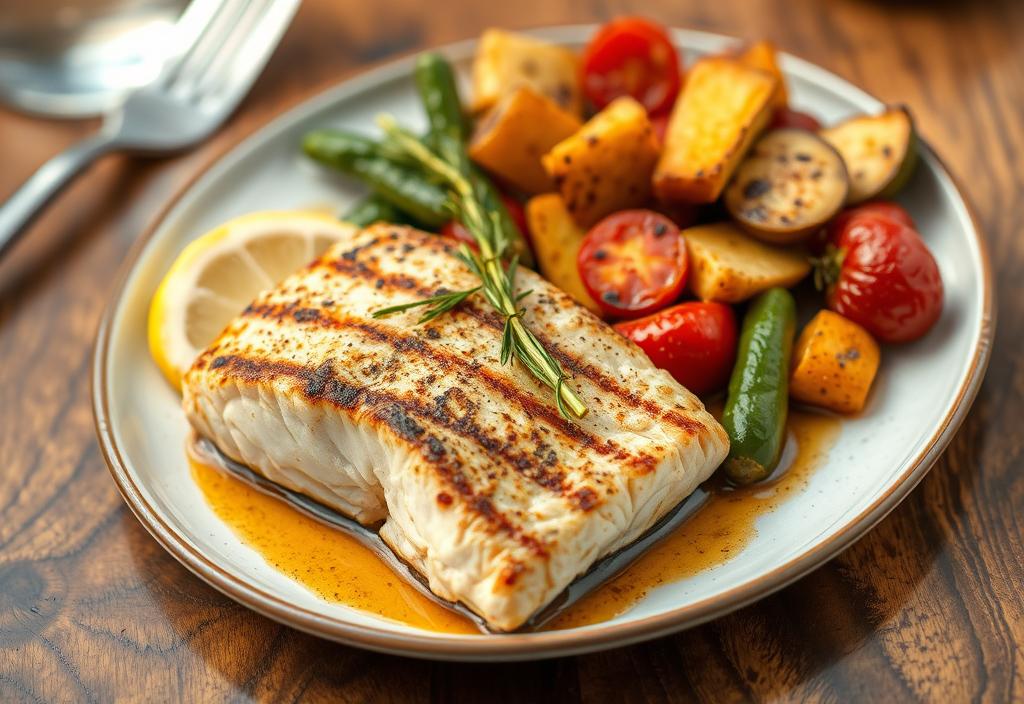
(437,304)
(449,166)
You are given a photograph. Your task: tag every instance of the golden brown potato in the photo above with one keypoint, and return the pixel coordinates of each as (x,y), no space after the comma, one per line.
(510,141)
(556,241)
(834,364)
(505,61)
(764,56)
(607,164)
(729,266)
(724,106)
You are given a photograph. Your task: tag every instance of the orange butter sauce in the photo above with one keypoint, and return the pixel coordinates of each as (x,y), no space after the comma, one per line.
(338,568)
(718,531)
(334,566)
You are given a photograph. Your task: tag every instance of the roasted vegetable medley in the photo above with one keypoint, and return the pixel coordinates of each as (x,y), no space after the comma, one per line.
(681,203)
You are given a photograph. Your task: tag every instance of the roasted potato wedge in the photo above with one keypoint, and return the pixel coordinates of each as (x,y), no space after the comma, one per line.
(724,106)
(505,61)
(729,266)
(607,165)
(511,139)
(834,363)
(556,241)
(764,56)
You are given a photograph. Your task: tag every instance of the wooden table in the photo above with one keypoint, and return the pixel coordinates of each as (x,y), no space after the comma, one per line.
(928,606)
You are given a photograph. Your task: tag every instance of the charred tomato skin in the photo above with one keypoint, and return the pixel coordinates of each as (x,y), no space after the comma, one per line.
(631,56)
(633,263)
(695,342)
(887,280)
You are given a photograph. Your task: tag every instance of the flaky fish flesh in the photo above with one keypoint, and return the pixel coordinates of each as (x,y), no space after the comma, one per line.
(472,474)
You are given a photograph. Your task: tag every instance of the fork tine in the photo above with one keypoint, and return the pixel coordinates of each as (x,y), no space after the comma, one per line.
(246,52)
(244,26)
(219,24)
(192,24)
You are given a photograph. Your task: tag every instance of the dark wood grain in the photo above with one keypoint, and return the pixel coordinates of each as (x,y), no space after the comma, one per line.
(929,606)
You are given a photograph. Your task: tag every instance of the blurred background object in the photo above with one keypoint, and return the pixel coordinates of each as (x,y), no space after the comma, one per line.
(75,58)
(212,55)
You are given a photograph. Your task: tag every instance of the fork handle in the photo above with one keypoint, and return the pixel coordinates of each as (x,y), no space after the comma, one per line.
(26,202)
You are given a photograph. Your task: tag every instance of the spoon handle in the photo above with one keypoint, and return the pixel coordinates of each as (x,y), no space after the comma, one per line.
(24,205)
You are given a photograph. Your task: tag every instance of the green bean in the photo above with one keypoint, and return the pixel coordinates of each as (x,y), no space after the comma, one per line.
(400,185)
(435,81)
(439,94)
(373,209)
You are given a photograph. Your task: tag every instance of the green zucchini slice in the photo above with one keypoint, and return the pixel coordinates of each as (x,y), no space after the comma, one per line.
(790,184)
(758,401)
(879,151)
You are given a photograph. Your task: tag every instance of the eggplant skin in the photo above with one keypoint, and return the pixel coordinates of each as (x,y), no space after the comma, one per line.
(475,478)
(788,187)
(880,152)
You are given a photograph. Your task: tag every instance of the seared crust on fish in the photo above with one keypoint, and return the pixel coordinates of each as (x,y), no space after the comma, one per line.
(478,481)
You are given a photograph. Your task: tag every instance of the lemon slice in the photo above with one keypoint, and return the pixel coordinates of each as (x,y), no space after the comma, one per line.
(218,275)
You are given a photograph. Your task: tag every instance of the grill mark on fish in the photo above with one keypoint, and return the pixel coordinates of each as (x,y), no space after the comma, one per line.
(406,343)
(578,367)
(392,410)
(539,469)
(572,363)
(533,408)
(540,473)
(323,384)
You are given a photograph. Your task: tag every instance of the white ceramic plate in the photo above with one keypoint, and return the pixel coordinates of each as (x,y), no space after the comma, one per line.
(921,397)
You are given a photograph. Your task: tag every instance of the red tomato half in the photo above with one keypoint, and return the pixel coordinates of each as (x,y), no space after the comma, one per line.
(633,263)
(631,56)
(455,229)
(784,117)
(694,342)
(884,278)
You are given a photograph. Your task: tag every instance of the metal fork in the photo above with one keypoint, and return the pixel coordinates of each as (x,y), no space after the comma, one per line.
(230,43)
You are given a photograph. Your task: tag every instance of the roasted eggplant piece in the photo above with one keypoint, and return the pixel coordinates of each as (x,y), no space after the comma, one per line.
(790,184)
(880,152)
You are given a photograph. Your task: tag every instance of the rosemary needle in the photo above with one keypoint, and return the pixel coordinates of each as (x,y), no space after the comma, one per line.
(449,166)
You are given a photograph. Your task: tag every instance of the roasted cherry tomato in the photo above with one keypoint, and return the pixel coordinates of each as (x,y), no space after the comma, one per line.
(633,263)
(784,117)
(631,56)
(694,342)
(455,229)
(881,275)
(882,208)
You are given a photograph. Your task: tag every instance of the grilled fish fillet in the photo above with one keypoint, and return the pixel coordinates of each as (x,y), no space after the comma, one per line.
(480,484)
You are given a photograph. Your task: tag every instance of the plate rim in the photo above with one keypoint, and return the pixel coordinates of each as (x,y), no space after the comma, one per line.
(516,646)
